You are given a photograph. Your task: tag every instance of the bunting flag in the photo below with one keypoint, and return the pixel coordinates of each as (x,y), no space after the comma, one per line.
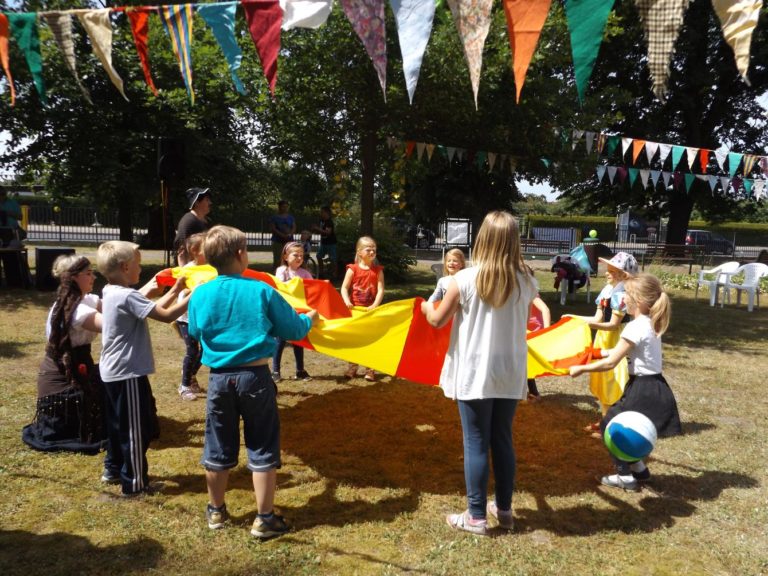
(576,137)
(625,144)
(589,138)
(712,183)
(738,19)
(4,35)
(473,20)
(661,20)
(677,155)
(734,159)
(665,176)
(748,163)
(764,165)
(611,173)
(632,176)
(491,160)
(601,140)
(720,156)
(644,175)
(99,29)
(368,21)
(24,29)
(414,26)
(664,150)
(525,19)
(177,20)
(655,177)
(395,338)
(305,13)
(622,174)
(586,22)
(704,159)
(139,22)
(60,24)
(600,173)
(691,156)
(759,187)
(748,186)
(725,182)
(430,151)
(637,147)
(409,146)
(650,150)
(221,19)
(264,19)
(420,147)
(610,146)
(451,152)
(689,178)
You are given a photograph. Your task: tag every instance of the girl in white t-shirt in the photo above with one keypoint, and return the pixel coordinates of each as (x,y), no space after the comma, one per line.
(454,261)
(485,368)
(646,391)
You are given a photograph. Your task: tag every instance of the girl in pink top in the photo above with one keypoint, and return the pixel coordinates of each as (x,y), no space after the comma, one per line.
(363,285)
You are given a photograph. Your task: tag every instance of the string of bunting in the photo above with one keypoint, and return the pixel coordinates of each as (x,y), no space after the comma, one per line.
(266,19)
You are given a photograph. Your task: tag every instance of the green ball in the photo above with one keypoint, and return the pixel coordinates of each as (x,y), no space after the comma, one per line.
(593,233)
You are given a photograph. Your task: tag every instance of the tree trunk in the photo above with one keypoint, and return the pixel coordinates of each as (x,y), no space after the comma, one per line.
(124,216)
(680,207)
(368,152)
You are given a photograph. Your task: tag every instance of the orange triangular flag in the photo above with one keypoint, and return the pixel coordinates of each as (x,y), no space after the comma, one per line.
(525,19)
(4,35)
(409,146)
(637,147)
(704,159)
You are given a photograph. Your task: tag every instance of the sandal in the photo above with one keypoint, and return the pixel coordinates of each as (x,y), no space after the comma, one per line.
(351,373)
(594,427)
(464,522)
(370,375)
(187,394)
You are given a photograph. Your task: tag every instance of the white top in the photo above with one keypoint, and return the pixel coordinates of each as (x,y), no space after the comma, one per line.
(440,289)
(126,349)
(488,355)
(645,357)
(78,336)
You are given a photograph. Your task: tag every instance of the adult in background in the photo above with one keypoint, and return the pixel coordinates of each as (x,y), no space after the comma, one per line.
(10,214)
(193,222)
(69,390)
(327,232)
(283,227)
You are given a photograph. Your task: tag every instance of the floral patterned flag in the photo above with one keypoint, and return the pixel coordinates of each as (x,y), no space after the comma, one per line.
(99,29)
(4,35)
(661,21)
(472,19)
(525,19)
(60,24)
(367,19)
(586,22)
(414,25)
(738,19)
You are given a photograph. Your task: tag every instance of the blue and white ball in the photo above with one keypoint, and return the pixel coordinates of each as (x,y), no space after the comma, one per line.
(630,436)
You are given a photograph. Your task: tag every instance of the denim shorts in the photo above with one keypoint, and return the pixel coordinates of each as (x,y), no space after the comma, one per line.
(249,393)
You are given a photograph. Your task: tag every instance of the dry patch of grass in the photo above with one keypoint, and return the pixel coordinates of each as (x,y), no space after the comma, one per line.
(370,470)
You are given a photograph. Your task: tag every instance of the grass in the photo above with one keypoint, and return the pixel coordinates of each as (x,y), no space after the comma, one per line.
(370,470)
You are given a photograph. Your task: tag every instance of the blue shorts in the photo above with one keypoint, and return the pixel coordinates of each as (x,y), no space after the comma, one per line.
(249,393)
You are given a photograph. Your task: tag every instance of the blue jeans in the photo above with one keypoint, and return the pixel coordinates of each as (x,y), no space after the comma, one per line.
(487,427)
(277,357)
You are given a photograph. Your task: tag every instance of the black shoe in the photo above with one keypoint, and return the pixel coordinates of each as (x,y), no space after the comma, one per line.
(303,375)
(151,489)
(643,476)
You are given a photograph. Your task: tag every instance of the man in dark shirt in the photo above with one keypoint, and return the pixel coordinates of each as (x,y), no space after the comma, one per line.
(327,232)
(193,222)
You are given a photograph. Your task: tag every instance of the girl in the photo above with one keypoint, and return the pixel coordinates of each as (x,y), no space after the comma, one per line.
(647,391)
(69,390)
(292,259)
(539,317)
(363,285)
(454,261)
(608,386)
(485,365)
(189,389)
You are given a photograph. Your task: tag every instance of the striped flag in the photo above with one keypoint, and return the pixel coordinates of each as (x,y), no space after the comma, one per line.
(177,20)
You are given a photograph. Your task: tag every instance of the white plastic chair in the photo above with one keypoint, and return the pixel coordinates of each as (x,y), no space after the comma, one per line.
(751,284)
(714,284)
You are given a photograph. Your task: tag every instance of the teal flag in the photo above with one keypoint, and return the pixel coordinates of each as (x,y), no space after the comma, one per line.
(221,19)
(586,23)
(734,159)
(748,185)
(689,178)
(24,29)
(610,146)
(632,176)
(677,155)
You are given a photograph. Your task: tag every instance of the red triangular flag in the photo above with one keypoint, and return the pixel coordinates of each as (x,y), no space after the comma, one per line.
(139,19)
(264,19)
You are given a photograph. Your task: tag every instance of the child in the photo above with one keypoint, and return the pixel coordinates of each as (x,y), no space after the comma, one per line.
(236,320)
(539,317)
(293,258)
(189,387)
(608,386)
(647,391)
(485,366)
(126,360)
(363,285)
(327,232)
(454,261)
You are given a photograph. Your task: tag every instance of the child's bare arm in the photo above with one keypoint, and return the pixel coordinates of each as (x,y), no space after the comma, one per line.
(345,285)
(446,309)
(614,357)
(546,315)
(379,291)
(168,312)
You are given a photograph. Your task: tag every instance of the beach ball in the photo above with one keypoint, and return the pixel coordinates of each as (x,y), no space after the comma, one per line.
(630,436)
(593,233)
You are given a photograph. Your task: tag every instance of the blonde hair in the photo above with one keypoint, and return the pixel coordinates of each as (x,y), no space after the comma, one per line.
(222,244)
(362,242)
(456,253)
(69,264)
(194,244)
(646,289)
(112,254)
(497,255)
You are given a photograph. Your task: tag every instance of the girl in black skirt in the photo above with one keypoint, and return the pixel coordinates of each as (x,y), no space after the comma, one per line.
(647,391)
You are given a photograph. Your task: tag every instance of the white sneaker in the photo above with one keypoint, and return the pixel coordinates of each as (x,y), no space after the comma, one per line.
(504,517)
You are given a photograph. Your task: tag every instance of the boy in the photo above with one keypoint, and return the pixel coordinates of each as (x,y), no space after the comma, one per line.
(236,320)
(126,360)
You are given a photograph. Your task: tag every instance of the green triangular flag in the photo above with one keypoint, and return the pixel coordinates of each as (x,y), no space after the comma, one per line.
(748,185)
(734,159)
(480,159)
(545,161)
(632,176)
(610,146)
(677,155)
(586,22)
(24,29)
(689,178)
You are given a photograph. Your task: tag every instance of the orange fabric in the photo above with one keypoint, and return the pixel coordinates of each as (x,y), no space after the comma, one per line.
(4,33)
(525,19)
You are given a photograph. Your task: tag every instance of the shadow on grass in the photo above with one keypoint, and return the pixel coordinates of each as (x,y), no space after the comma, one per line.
(19,550)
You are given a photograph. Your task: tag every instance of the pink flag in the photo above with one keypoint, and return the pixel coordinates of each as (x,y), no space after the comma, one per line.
(367,18)
(264,19)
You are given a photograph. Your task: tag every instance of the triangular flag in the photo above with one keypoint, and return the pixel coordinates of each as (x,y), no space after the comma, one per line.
(702,177)
(720,156)
(678,180)
(472,19)
(391,142)
(451,152)
(602,138)
(480,158)
(748,185)
(734,159)
(491,160)
(610,146)
(430,151)
(650,150)
(420,147)
(460,154)
(665,176)
(577,135)
(664,150)
(367,19)
(689,178)
(589,138)
(221,19)
(736,184)
(759,187)
(764,165)
(748,163)
(637,147)
(409,146)
(625,144)
(655,177)
(586,22)
(60,24)
(738,19)
(600,173)
(644,174)
(99,29)
(177,21)
(525,19)
(692,154)
(414,25)
(661,21)
(677,155)
(304,13)
(632,176)
(712,180)
(4,35)
(23,27)
(611,173)
(546,162)
(622,174)
(725,182)
(264,19)
(704,159)
(139,22)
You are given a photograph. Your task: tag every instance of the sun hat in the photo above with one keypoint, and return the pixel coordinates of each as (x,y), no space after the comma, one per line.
(622,261)
(194,194)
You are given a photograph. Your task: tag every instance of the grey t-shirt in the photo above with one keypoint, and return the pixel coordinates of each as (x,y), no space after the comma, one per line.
(126,348)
